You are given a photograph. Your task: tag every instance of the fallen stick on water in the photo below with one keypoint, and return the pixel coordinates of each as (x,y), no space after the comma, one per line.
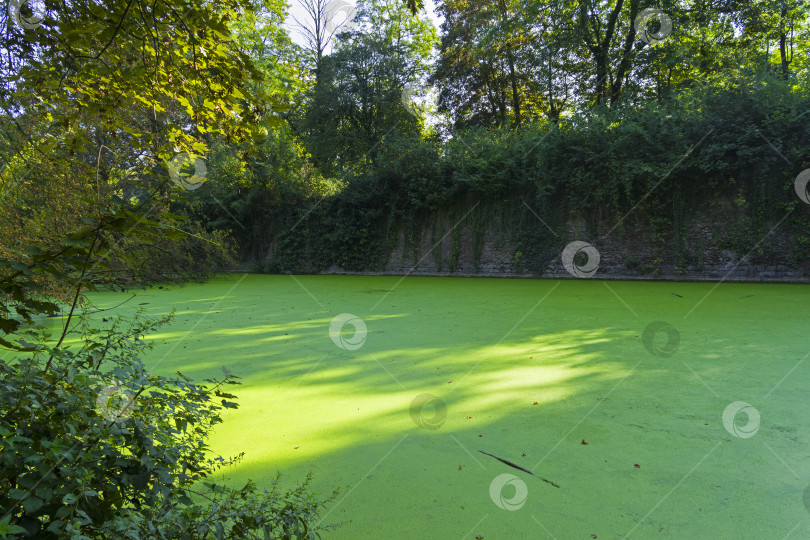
(507,462)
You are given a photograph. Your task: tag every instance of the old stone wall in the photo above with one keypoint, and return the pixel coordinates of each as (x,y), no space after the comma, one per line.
(634,252)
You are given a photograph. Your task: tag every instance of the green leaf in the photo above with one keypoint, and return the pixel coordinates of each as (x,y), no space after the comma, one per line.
(32,504)
(9,326)
(43,492)
(6,527)
(18,494)
(89,221)
(21,267)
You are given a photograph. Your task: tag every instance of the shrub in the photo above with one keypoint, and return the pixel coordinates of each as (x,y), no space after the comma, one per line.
(94,446)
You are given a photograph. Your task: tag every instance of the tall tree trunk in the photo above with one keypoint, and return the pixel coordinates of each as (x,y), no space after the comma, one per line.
(513,81)
(511,59)
(599,45)
(783,54)
(626,62)
(601,77)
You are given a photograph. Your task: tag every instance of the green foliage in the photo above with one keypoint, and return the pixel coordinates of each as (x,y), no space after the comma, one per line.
(94,100)
(479,219)
(195,255)
(507,62)
(92,64)
(656,163)
(455,248)
(73,264)
(94,446)
(347,229)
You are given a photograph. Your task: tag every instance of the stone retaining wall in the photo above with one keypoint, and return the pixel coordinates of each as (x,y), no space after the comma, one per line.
(630,254)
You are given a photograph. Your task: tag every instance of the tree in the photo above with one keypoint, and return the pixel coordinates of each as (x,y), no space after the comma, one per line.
(779,22)
(153,81)
(473,79)
(319,28)
(608,33)
(504,63)
(359,98)
(316,28)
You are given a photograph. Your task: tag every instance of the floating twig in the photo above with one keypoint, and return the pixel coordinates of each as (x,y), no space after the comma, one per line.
(507,462)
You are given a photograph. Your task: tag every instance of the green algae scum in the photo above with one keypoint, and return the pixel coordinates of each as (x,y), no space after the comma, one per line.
(494,408)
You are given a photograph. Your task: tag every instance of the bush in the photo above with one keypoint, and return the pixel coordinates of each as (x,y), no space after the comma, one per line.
(94,446)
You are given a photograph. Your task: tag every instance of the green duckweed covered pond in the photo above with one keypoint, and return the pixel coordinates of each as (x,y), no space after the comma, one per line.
(391,388)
